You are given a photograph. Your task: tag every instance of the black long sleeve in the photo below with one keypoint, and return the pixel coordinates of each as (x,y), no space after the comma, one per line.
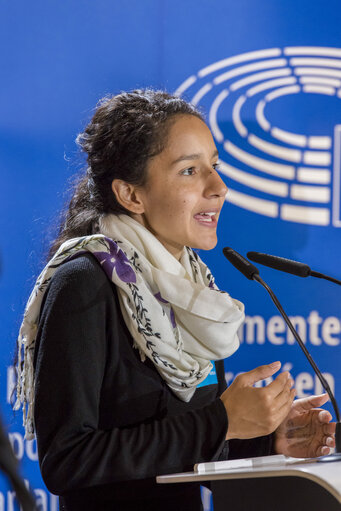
(101,415)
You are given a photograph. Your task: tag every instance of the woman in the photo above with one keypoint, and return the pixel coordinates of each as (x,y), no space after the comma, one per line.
(130,318)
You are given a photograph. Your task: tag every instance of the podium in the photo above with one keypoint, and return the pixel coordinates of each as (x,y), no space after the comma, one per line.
(300,486)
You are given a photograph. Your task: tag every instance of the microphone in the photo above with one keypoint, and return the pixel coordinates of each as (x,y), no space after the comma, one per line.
(239,262)
(288,266)
(252,273)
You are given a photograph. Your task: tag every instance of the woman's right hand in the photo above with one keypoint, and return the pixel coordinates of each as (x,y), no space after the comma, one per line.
(257,411)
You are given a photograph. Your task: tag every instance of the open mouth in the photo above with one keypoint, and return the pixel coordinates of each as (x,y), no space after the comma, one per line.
(206,217)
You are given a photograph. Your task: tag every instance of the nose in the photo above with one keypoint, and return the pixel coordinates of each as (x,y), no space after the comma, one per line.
(215,185)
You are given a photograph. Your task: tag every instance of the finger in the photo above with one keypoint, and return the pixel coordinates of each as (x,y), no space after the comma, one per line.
(306,403)
(283,410)
(329,441)
(318,417)
(279,384)
(314,420)
(284,397)
(329,429)
(328,444)
(318,401)
(314,436)
(324,448)
(260,373)
(322,451)
(307,449)
(324,416)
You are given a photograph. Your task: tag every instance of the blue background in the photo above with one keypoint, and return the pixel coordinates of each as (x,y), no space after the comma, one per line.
(57,59)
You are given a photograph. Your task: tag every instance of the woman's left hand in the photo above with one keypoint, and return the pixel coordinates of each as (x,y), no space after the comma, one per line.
(306,432)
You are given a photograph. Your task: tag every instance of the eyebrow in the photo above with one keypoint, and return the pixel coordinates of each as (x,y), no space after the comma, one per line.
(195,156)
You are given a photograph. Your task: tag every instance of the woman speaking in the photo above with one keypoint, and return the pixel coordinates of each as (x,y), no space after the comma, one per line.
(123,324)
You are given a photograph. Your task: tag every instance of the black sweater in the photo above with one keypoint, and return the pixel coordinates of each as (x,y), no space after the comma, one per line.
(107,423)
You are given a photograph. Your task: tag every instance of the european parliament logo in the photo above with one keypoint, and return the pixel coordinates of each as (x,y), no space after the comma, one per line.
(290,174)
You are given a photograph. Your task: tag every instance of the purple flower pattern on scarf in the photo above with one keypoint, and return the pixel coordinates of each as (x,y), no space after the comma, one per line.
(116,259)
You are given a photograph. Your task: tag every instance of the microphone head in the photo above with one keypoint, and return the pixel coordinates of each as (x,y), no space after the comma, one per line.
(280,263)
(239,262)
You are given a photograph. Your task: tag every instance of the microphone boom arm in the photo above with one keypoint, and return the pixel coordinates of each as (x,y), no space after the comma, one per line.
(252,273)
(325,277)
(323,381)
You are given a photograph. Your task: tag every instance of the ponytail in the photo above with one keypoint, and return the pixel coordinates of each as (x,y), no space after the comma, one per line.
(80,218)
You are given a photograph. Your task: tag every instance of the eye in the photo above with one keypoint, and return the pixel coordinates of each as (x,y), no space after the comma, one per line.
(216,166)
(188,172)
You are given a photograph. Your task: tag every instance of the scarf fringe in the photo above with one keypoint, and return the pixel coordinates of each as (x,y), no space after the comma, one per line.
(25,387)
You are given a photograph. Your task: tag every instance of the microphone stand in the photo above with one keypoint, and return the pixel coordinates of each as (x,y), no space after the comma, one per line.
(337,455)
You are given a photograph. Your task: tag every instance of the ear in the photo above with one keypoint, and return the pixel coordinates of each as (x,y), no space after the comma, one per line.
(127,195)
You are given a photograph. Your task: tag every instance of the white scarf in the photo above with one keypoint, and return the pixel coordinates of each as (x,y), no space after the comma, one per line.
(175,313)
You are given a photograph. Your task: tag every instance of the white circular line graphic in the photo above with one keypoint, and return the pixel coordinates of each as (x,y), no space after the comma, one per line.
(278,173)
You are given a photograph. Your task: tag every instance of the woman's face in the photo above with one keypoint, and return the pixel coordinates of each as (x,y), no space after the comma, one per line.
(184,193)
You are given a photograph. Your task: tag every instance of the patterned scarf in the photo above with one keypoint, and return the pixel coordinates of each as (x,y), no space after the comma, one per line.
(175,313)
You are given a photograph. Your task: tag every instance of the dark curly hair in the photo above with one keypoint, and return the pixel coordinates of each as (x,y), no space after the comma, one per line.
(125,131)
